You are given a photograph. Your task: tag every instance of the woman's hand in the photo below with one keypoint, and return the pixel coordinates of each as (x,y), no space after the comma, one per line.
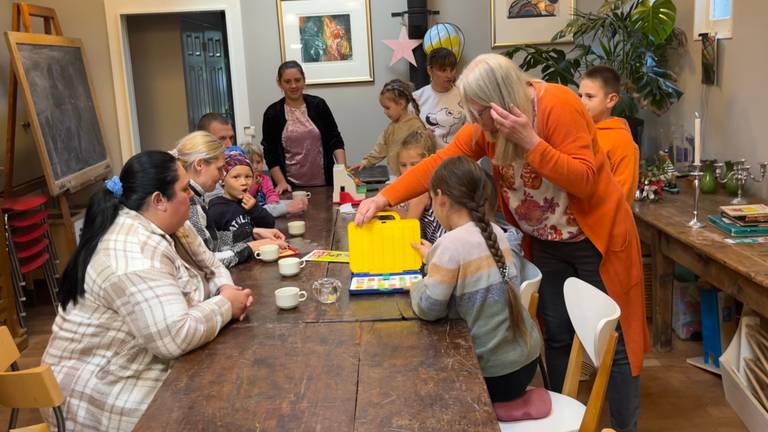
(422,248)
(297,205)
(248,201)
(515,126)
(239,298)
(268,233)
(283,187)
(369,207)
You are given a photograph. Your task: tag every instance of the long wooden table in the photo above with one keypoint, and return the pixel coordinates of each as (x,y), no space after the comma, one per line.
(362,364)
(740,270)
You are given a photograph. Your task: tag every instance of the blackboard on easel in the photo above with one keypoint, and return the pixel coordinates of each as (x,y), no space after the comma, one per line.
(65,121)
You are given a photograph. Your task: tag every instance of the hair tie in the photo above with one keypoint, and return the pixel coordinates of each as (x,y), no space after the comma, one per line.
(174,153)
(115,186)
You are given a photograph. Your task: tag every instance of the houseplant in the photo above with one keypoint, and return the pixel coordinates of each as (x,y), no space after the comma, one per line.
(632,36)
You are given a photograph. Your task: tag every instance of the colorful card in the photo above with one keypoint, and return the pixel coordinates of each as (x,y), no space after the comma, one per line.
(378,284)
(288,252)
(327,256)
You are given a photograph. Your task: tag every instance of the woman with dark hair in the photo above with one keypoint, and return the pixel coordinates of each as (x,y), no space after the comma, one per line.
(300,138)
(140,290)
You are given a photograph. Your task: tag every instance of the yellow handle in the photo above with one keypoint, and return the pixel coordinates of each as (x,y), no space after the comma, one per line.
(394,215)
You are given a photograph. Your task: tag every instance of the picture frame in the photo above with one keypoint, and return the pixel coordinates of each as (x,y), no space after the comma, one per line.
(331,39)
(520,22)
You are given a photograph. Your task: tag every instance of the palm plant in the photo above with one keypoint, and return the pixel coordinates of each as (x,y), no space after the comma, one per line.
(632,36)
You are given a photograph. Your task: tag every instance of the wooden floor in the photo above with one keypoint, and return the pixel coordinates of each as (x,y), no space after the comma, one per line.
(675,396)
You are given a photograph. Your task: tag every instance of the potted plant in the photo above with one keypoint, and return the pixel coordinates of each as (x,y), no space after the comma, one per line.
(632,36)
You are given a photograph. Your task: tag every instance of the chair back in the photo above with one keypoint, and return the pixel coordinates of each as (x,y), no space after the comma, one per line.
(531,277)
(593,314)
(9,353)
(30,388)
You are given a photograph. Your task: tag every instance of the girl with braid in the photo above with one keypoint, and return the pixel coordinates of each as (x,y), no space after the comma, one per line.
(395,98)
(472,273)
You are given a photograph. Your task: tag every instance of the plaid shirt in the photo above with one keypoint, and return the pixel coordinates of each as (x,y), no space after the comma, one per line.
(144,305)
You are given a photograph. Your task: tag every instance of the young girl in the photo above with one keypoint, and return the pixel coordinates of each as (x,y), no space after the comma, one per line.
(263,190)
(416,146)
(394,98)
(470,271)
(236,210)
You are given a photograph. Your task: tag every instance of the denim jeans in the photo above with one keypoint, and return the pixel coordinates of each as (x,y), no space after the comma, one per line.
(558,261)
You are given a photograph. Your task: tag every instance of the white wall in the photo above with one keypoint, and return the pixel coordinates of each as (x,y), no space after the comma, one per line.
(734,111)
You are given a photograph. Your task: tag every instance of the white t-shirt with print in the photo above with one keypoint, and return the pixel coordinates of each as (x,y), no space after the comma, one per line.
(442,113)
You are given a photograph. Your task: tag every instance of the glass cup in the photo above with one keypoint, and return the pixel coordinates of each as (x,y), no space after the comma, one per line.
(326,290)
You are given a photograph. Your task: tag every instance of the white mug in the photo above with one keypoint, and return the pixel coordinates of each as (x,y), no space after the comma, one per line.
(267,253)
(290,266)
(289,297)
(302,194)
(297,228)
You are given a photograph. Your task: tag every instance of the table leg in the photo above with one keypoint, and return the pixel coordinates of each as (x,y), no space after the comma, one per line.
(662,269)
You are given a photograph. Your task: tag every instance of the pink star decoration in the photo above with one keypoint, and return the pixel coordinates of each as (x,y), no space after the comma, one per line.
(403,47)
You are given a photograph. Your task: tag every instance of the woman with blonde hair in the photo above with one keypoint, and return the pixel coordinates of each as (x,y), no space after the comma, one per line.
(202,156)
(555,184)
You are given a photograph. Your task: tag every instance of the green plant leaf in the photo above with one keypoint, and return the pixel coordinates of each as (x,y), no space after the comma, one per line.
(656,19)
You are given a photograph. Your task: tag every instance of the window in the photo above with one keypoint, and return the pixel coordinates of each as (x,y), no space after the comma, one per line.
(713,16)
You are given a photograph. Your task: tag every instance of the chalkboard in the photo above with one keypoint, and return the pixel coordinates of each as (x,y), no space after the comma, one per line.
(65,121)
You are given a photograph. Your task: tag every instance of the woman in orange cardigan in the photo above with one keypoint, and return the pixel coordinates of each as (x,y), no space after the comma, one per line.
(555,184)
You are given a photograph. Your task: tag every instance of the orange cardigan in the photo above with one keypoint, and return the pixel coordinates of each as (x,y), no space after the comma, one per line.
(568,155)
(615,139)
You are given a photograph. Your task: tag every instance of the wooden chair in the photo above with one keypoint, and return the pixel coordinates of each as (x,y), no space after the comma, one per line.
(529,296)
(594,316)
(29,388)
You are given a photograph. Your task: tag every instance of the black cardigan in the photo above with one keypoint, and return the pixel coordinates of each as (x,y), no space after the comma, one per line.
(272,132)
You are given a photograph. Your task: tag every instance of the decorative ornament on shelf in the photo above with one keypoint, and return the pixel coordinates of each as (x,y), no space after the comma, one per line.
(403,47)
(444,35)
(656,179)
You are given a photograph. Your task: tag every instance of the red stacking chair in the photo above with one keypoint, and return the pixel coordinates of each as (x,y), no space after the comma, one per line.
(30,245)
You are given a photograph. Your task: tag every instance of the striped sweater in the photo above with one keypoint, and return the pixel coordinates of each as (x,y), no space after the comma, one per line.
(463,280)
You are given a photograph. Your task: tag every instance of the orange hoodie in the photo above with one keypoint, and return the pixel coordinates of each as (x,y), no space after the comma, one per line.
(568,155)
(615,139)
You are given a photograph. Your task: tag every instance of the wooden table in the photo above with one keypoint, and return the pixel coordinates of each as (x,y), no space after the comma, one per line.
(739,270)
(361,364)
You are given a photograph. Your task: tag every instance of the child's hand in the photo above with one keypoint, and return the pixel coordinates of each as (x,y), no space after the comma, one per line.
(357,167)
(248,201)
(422,248)
(268,233)
(239,298)
(256,244)
(297,205)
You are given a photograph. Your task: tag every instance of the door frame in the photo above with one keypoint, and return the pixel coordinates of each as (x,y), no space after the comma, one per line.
(117,11)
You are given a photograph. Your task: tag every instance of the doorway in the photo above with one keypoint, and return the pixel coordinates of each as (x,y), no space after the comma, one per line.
(180,70)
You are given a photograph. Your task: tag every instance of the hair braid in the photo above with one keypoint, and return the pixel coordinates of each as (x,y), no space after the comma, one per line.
(401,90)
(463,182)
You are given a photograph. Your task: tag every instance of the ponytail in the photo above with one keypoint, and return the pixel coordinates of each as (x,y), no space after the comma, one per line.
(143,175)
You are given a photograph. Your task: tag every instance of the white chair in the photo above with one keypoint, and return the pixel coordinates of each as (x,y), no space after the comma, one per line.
(594,316)
(531,277)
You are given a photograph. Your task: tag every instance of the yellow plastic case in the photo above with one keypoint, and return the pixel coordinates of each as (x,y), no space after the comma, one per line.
(383,245)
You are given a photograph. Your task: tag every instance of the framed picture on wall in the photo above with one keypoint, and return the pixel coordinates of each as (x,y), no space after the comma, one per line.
(330,38)
(518,22)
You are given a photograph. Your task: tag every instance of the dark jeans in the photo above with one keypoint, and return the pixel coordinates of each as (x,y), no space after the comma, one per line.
(558,261)
(511,386)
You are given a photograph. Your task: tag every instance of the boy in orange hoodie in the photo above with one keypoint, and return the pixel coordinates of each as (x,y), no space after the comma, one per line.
(599,92)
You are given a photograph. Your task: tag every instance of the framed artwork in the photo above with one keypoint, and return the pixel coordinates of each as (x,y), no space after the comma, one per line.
(708,58)
(518,22)
(330,38)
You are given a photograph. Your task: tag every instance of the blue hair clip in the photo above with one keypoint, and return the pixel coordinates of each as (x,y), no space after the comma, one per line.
(235,149)
(115,186)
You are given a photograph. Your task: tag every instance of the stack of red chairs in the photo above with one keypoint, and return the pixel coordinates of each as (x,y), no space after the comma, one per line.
(30,245)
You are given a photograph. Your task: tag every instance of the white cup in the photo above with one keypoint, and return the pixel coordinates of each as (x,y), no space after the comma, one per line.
(302,194)
(289,297)
(268,253)
(290,266)
(297,228)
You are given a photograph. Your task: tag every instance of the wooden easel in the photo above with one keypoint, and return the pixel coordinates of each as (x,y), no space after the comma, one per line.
(21,14)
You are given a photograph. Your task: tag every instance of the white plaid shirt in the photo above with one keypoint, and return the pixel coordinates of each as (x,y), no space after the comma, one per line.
(144,306)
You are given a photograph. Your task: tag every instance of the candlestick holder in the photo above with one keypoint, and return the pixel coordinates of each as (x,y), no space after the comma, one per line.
(696,174)
(741,172)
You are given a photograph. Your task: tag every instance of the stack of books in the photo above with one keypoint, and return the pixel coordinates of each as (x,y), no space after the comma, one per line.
(742,220)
